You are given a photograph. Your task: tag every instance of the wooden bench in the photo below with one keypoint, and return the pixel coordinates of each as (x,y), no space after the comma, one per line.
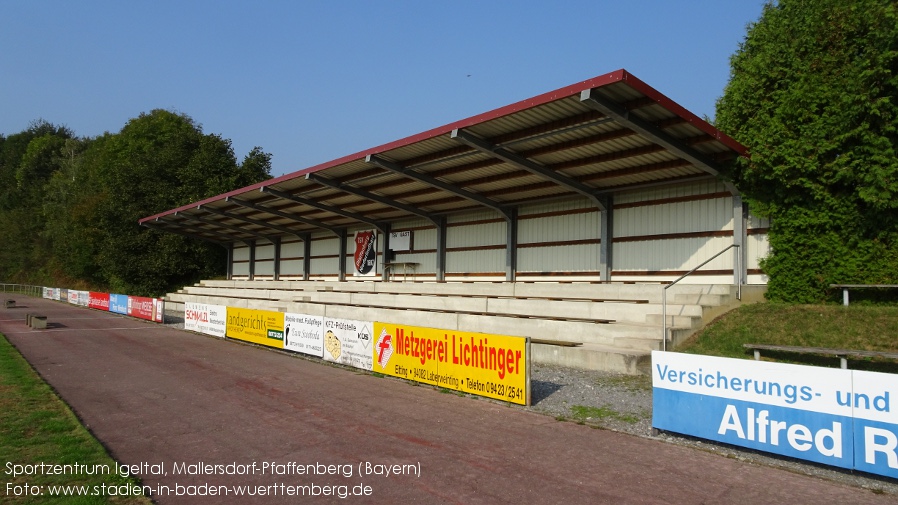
(846,287)
(843,354)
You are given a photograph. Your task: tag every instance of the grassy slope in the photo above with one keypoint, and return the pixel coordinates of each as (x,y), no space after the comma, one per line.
(36,426)
(873,328)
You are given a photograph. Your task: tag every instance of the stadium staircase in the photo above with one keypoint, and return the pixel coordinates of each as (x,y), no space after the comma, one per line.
(595,326)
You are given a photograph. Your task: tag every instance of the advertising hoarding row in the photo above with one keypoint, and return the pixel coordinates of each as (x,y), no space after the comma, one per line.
(843,418)
(495,366)
(151,309)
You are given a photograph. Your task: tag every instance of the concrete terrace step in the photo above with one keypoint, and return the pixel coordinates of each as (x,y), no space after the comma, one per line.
(549,308)
(553,312)
(560,330)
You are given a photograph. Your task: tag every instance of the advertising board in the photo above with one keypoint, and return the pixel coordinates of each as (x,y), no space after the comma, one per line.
(262,327)
(204,318)
(304,333)
(145,308)
(83,298)
(99,301)
(837,417)
(62,294)
(73,296)
(495,366)
(348,341)
(118,304)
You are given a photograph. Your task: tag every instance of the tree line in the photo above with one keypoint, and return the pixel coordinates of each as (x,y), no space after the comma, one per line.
(813,94)
(69,205)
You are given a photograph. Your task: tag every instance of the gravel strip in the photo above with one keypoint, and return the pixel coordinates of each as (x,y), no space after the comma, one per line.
(624,403)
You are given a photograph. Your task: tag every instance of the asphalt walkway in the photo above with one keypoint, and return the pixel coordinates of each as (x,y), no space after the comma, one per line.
(186,403)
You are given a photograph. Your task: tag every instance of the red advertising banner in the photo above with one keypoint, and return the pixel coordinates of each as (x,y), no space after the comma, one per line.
(145,308)
(98,300)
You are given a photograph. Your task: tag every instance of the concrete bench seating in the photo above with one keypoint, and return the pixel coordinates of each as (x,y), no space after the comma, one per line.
(611,326)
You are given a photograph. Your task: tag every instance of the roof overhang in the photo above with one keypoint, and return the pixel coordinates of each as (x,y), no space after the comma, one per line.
(597,137)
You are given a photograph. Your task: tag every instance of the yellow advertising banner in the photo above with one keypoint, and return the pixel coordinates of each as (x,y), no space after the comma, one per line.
(495,366)
(262,327)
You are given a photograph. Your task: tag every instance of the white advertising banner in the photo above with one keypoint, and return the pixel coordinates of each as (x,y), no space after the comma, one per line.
(83,298)
(304,333)
(832,416)
(204,318)
(73,296)
(348,342)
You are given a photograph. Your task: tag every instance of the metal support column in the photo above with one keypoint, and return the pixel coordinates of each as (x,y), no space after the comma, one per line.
(739,271)
(277,258)
(230,249)
(385,248)
(306,255)
(441,249)
(252,259)
(511,247)
(606,232)
(341,276)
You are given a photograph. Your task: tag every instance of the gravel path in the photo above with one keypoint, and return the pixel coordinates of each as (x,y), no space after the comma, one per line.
(624,403)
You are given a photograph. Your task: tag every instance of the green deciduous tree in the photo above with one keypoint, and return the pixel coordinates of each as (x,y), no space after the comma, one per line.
(813,93)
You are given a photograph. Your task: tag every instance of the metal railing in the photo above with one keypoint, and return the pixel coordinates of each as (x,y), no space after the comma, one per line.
(24,289)
(738,275)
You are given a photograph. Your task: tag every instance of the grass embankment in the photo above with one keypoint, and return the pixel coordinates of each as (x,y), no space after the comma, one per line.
(37,427)
(869,328)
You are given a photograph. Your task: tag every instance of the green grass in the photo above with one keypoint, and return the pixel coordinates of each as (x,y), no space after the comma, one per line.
(37,427)
(870,328)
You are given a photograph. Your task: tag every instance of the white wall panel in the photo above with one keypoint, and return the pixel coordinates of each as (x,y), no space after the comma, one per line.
(676,217)
(676,191)
(673,254)
(757,247)
(241,253)
(571,258)
(264,251)
(492,260)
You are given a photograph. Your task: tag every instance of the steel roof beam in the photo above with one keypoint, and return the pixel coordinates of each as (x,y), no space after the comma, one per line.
(526,164)
(165,226)
(189,225)
(238,217)
(225,226)
(299,219)
(321,206)
(346,188)
(507,212)
(591,98)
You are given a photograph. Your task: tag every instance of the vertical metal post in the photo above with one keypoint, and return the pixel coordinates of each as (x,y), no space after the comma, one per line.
(845,296)
(252,259)
(277,258)
(341,275)
(306,255)
(441,248)
(511,247)
(386,249)
(606,236)
(664,317)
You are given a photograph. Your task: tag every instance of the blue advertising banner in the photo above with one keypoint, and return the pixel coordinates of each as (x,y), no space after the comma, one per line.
(118,304)
(836,417)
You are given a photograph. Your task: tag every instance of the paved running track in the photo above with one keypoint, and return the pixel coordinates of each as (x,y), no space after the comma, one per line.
(158,395)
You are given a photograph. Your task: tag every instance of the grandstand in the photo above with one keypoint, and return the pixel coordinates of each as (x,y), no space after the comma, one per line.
(561,217)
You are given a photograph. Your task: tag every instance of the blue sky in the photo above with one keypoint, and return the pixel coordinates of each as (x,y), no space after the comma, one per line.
(313,81)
